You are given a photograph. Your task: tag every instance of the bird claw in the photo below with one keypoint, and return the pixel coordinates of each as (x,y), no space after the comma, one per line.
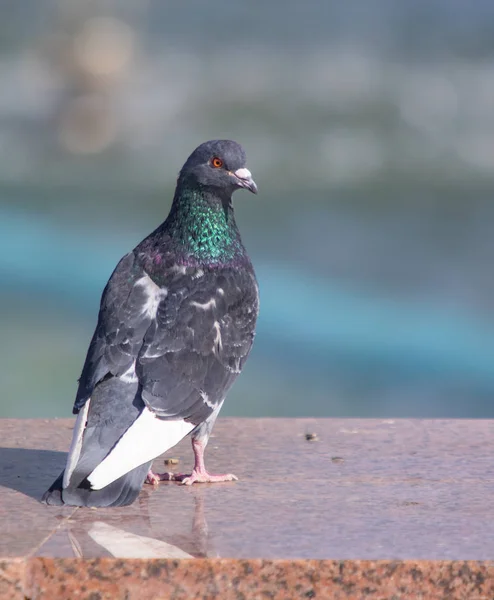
(190,478)
(206,477)
(153,478)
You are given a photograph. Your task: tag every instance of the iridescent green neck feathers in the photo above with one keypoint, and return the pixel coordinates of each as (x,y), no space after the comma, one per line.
(203,227)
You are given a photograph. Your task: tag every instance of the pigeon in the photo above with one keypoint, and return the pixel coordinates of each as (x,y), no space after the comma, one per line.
(176,324)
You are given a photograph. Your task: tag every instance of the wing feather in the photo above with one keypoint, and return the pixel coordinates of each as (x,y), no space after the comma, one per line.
(187,336)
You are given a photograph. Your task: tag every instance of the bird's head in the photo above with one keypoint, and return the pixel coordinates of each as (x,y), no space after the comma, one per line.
(218,165)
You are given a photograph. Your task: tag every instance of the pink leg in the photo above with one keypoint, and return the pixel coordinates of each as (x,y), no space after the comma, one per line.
(199,473)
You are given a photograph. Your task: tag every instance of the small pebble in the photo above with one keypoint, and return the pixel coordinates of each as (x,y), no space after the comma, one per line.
(337,459)
(311,437)
(172,461)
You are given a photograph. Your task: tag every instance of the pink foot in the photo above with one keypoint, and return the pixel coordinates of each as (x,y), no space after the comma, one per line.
(204,477)
(190,478)
(198,475)
(155,478)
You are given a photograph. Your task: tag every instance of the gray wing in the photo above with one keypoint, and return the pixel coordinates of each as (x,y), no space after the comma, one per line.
(198,343)
(185,340)
(122,323)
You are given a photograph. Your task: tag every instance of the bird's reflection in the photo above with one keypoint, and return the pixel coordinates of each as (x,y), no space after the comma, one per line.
(151,528)
(123,544)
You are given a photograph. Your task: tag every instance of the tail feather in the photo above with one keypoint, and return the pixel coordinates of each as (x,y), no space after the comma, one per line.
(114,407)
(121,492)
(146,438)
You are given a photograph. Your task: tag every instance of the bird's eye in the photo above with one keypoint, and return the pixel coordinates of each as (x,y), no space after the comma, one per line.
(217,162)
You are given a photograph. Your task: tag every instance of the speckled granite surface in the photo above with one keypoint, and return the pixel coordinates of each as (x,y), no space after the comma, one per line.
(370,509)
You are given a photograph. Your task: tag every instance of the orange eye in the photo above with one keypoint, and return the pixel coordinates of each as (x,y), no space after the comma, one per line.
(217,162)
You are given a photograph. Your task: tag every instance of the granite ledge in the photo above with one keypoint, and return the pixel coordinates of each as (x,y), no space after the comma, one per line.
(324,508)
(236,579)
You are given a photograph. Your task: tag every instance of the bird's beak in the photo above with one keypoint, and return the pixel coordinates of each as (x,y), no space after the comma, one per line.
(244,179)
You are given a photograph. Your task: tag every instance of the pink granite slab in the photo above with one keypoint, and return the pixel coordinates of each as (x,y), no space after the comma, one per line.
(229,579)
(364,496)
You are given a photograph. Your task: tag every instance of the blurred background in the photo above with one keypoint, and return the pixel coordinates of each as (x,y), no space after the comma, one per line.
(369,128)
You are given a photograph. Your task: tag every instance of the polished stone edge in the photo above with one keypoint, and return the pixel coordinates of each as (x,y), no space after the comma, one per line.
(114,579)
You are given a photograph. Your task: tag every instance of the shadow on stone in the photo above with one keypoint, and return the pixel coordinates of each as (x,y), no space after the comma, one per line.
(30,472)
